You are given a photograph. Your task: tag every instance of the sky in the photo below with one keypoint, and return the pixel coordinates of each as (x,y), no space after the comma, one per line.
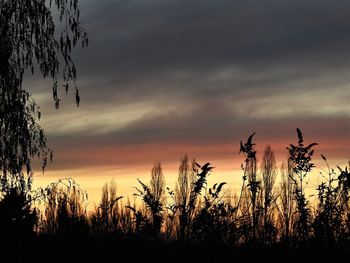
(162,78)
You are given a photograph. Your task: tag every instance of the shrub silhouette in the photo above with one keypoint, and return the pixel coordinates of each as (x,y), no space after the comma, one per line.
(153,197)
(29,40)
(268,171)
(107,218)
(266,216)
(331,220)
(183,190)
(250,174)
(17,216)
(286,196)
(65,209)
(300,158)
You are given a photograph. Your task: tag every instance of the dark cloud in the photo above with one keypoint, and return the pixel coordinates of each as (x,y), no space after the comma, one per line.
(152,36)
(147,48)
(206,72)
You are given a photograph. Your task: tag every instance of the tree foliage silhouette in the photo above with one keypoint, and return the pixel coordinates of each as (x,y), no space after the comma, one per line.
(153,198)
(200,218)
(107,218)
(300,158)
(268,171)
(250,174)
(17,218)
(29,42)
(28,38)
(183,189)
(287,190)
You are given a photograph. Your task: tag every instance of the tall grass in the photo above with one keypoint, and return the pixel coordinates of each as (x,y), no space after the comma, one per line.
(263,213)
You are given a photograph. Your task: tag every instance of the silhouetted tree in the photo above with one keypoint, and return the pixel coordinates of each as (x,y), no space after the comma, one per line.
(65,212)
(153,197)
(268,171)
(50,221)
(17,217)
(157,182)
(287,190)
(107,218)
(212,222)
(250,173)
(183,189)
(65,207)
(300,157)
(332,215)
(28,37)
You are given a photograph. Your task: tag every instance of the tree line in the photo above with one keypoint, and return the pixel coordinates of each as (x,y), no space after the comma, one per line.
(263,212)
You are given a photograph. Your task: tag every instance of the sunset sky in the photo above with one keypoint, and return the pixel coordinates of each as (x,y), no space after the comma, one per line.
(162,78)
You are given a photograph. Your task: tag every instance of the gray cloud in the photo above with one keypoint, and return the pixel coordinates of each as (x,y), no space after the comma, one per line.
(211,132)
(150,36)
(205,72)
(141,49)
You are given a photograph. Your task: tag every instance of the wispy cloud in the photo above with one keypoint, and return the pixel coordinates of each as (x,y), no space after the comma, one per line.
(198,73)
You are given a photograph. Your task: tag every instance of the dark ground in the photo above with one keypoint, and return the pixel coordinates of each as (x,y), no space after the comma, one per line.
(110,249)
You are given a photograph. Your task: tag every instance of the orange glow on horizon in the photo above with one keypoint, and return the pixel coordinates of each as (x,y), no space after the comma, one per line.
(226,170)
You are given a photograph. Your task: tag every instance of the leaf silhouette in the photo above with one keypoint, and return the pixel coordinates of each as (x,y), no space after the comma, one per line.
(220,187)
(249,141)
(300,136)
